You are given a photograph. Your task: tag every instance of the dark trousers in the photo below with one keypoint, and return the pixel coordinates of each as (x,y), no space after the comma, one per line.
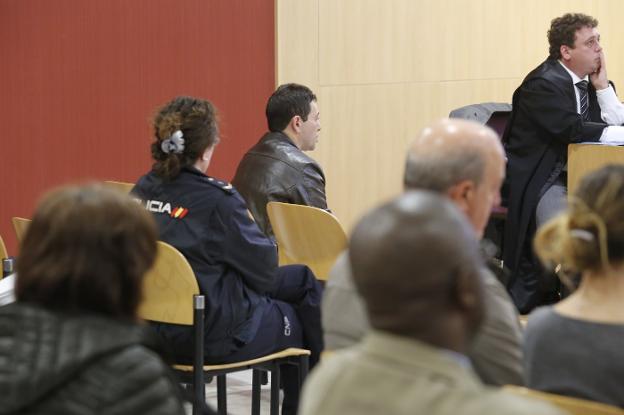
(292,319)
(532,285)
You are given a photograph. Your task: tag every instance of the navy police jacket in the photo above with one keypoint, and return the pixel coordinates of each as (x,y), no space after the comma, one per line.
(234,262)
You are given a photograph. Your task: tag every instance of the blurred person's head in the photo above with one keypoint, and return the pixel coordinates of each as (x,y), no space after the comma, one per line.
(185,132)
(86,250)
(293,110)
(589,236)
(463,160)
(416,264)
(574,40)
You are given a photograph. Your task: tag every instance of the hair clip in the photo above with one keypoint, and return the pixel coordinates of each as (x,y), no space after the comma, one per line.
(173,144)
(582,234)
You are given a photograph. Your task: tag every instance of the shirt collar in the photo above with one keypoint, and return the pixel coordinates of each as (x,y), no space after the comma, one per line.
(460,358)
(414,352)
(575,78)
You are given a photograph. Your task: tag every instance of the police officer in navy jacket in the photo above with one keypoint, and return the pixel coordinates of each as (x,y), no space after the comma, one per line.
(253,307)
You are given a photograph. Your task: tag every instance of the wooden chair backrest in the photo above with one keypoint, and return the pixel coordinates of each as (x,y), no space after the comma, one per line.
(121,186)
(168,288)
(3,250)
(307,235)
(20,225)
(574,406)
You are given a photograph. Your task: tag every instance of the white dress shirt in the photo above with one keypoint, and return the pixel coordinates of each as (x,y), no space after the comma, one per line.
(611,109)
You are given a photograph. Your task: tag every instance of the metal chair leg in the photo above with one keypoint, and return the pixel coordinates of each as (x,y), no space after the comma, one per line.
(255,391)
(199,387)
(197,398)
(303,369)
(222,395)
(275,388)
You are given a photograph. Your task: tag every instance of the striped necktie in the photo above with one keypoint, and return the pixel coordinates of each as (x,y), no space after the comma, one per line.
(582,87)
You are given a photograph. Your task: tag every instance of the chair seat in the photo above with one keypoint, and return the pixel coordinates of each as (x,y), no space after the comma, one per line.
(247,364)
(267,363)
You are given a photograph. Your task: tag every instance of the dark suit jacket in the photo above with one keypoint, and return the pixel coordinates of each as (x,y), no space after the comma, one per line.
(543,122)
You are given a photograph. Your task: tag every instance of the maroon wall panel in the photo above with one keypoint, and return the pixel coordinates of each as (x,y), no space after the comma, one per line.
(80,79)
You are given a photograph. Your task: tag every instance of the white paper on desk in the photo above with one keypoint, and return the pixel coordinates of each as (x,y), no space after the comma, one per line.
(613,135)
(7,289)
(610,143)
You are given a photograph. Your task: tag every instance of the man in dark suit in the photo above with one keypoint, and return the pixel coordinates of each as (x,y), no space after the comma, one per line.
(566,99)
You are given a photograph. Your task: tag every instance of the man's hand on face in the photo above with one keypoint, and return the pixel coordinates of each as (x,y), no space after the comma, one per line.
(599,78)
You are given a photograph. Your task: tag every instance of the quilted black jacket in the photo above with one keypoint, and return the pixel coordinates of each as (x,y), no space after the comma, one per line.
(53,363)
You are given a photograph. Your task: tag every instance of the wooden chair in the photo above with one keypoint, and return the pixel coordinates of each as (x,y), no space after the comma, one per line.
(3,250)
(121,186)
(3,255)
(21,226)
(574,406)
(169,289)
(307,235)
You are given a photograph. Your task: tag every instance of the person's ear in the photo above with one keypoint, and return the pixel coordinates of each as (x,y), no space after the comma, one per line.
(295,123)
(466,293)
(462,195)
(207,154)
(564,50)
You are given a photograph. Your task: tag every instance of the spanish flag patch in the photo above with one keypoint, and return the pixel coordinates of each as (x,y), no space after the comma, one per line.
(179,212)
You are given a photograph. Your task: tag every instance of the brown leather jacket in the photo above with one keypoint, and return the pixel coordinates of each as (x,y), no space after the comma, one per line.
(276,170)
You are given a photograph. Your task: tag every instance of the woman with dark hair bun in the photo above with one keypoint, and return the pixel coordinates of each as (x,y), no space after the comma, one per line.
(71,343)
(576,347)
(253,307)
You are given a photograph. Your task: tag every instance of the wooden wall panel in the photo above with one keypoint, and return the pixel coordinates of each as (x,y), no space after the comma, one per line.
(297,42)
(384,69)
(364,41)
(80,80)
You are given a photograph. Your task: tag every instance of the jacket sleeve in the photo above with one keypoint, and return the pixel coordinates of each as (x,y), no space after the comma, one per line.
(496,352)
(246,248)
(611,109)
(137,382)
(544,102)
(310,190)
(343,311)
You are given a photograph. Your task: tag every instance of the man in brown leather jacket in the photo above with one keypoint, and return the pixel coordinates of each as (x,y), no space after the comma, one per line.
(276,169)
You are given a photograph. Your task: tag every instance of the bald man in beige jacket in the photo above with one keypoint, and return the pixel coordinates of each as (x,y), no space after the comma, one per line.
(464,161)
(417,267)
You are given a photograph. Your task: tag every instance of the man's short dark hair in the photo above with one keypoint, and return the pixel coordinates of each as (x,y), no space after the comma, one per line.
(87,250)
(563,31)
(287,101)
